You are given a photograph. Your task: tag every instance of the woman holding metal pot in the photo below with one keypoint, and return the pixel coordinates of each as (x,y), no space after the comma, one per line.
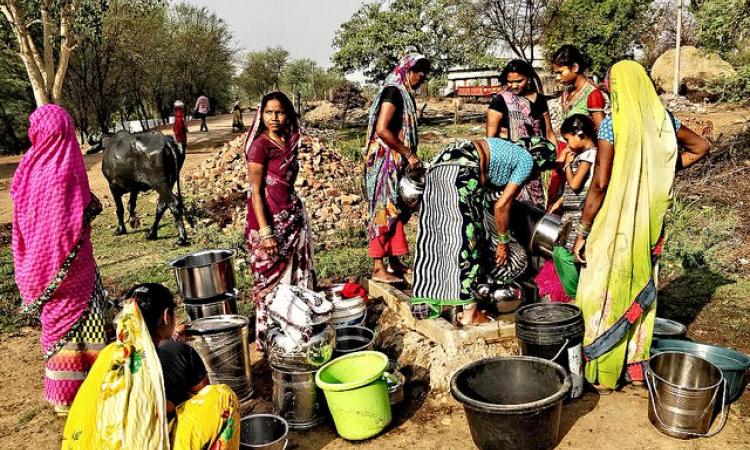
(452,242)
(392,147)
(621,231)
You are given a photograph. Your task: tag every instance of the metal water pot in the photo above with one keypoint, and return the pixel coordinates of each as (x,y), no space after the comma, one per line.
(507,298)
(205,274)
(411,187)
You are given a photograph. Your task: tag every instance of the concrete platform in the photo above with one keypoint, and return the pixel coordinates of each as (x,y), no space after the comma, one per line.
(439,330)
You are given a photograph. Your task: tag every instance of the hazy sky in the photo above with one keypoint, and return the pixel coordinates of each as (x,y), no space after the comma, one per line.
(305,28)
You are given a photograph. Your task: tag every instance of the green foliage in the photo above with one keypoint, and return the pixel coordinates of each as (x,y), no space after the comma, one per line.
(737,88)
(601,28)
(723,25)
(134,58)
(269,69)
(376,36)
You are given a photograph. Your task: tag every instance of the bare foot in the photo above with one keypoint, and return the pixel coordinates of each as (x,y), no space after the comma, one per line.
(397,267)
(384,276)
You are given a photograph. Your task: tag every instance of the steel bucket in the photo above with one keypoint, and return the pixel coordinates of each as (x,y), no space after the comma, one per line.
(223,344)
(263,432)
(224,304)
(297,399)
(545,235)
(205,275)
(354,338)
(683,390)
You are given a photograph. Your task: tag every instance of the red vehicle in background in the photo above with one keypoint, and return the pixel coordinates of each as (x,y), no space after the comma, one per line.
(473,82)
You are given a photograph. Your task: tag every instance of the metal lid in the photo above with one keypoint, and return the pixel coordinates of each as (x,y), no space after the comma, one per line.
(217,324)
(666,327)
(548,314)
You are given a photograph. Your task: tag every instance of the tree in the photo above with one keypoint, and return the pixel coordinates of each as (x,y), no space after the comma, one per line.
(515,24)
(723,25)
(375,37)
(262,71)
(657,30)
(604,29)
(57,20)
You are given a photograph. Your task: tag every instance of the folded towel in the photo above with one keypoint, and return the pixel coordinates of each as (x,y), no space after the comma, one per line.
(297,309)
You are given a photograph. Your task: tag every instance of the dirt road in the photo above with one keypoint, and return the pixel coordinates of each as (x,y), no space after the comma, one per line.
(199,145)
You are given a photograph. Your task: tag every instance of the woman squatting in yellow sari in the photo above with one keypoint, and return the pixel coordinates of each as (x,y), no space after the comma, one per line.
(622,224)
(148,391)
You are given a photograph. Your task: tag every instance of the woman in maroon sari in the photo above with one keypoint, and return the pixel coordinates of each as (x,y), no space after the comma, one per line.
(277,231)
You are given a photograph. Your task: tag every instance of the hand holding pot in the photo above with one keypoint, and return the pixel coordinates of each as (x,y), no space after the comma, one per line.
(270,246)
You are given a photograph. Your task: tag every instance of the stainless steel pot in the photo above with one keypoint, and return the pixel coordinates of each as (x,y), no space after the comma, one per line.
(224,304)
(205,274)
(297,399)
(223,344)
(395,381)
(507,298)
(350,339)
(545,235)
(411,187)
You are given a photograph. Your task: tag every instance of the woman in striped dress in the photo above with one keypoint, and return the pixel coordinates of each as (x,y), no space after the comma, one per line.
(452,241)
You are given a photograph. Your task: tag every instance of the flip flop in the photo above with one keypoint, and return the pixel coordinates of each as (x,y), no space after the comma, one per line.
(387,281)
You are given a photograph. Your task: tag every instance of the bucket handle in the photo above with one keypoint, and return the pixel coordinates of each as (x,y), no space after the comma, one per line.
(724,408)
(564,346)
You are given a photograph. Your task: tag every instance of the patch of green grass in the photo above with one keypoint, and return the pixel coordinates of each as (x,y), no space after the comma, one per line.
(10,299)
(699,237)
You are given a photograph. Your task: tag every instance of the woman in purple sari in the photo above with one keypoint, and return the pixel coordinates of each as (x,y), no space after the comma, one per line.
(277,232)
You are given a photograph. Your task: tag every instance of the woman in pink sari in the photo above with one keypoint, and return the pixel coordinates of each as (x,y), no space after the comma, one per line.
(52,253)
(277,232)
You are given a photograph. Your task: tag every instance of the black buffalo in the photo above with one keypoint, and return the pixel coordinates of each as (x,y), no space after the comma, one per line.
(140,162)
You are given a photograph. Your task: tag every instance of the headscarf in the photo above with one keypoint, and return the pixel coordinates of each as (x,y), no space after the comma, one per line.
(398,78)
(50,191)
(616,289)
(122,403)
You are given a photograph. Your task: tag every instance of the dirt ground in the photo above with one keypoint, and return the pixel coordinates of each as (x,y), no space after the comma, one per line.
(615,421)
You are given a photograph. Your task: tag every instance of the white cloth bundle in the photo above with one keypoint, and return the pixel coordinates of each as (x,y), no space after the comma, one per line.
(296,310)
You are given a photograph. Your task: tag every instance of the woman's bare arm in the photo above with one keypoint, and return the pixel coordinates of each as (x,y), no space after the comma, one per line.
(492,126)
(695,147)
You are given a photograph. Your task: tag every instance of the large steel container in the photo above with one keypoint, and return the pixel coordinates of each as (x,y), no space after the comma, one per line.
(223,344)
(297,399)
(206,274)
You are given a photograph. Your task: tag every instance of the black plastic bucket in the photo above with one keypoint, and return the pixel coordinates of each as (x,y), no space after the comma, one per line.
(554,331)
(512,402)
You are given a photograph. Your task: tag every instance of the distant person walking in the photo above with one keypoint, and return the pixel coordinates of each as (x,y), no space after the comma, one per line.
(179,129)
(202,106)
(237,123)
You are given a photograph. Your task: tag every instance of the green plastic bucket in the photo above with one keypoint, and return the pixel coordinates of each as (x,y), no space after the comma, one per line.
(356,394)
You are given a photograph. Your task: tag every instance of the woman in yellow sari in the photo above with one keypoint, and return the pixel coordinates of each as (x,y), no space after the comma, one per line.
(147,391)
(622,224)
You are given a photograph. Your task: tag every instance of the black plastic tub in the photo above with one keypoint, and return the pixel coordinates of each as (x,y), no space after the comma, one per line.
(512,402)
(554,331)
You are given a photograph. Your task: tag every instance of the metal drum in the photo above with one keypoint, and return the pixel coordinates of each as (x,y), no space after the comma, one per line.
(683,390)
(221,305)
(223,344)
(205,275)
(297,399)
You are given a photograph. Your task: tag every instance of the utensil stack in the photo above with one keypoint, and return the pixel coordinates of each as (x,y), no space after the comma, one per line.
(206,283)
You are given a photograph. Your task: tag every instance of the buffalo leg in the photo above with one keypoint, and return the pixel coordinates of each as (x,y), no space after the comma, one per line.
(134,222)
(176,207)
(117,194)
(161,206)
